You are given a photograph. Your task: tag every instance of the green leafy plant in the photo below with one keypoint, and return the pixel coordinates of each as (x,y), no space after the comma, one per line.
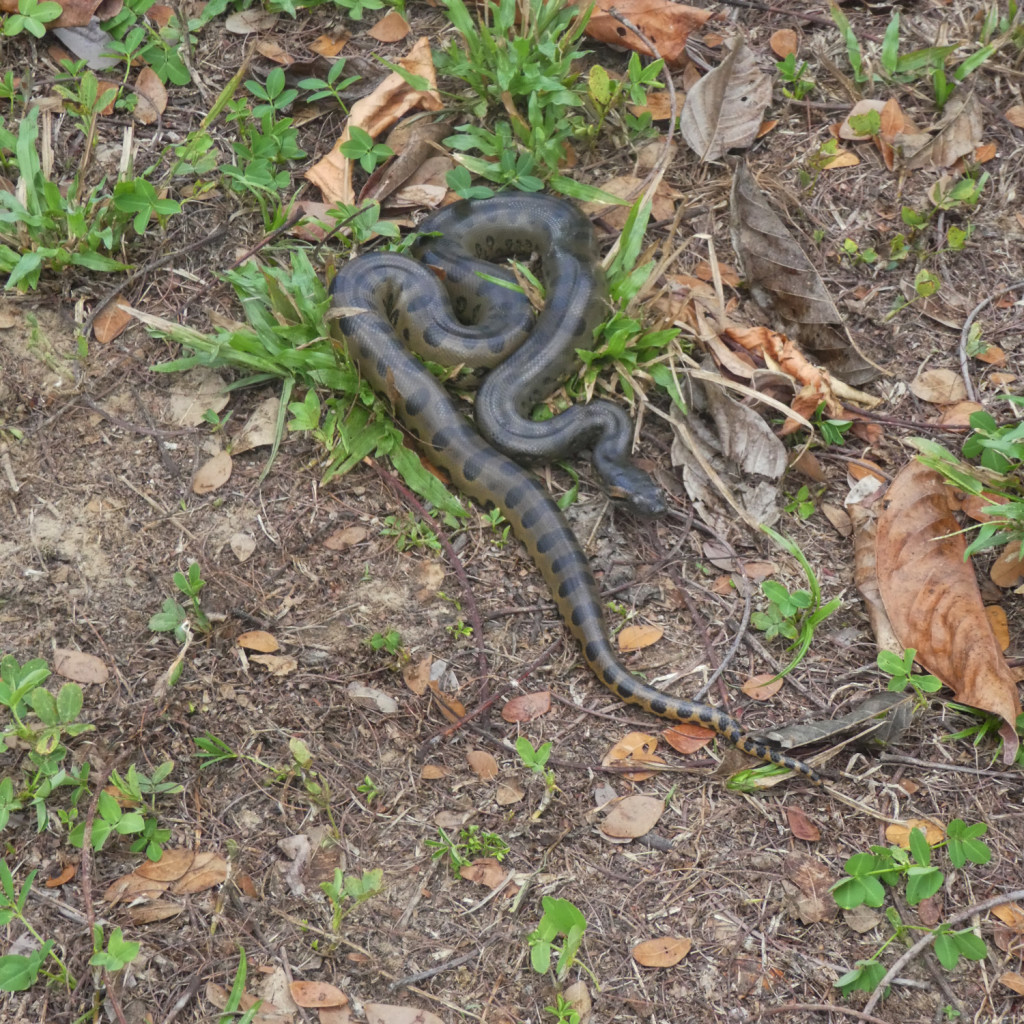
(901,673)
(43,229)
(143,789)
(347,887)
(561,919)
(32,17)
(389,642)
(331,86)
(117,954)
(111,819)
(867,874)
(173,616)
(563,1011)
(795,615)
(411,533)
(19,972)
(802,506)
(360,146)
(369,789)
(797,86)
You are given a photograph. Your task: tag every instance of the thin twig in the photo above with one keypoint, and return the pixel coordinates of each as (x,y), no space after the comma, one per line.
(964,368)
(770,1011)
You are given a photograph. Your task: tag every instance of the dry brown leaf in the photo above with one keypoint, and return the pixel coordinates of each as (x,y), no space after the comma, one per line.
(508,793)
(666,951)
(242,545)
(314,994)
(431,772)
(258,640)
(898,833)
(62,879)
(1015,115)
(208,870)
(213,473)
(940,387)
(1011,914)
(527,707)
(958,133)
(152,97)
(155,910)
(391,100)
(839,519)
(634,748)
(783,279)
(170,867)
(368,697)
(1013,981)
(993,355)
(1008,569)
(390,29)
(79,666)
(802,826)
(814,881)
(273,50)
(636,638)
(687,738)
(859,109)
(346,538)
(260,428)
(633,816)
(329,46)
(382,1013)
(244,23)
(417,675)
(865,577)
(783,43)
(999,625)
(723,110)
(279,664)
(762,687)
(484,871)
(483,764)
(958,414)
(111,321)
(133,887)
(843,158)
(667,25)
(932,598)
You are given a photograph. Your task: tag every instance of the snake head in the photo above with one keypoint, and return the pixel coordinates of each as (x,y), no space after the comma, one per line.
(633,488)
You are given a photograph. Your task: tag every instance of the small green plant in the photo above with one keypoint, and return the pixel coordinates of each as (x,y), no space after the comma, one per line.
(867,874)
(142,789)
(232,1007)
(316,786)
(111,819)
(499,524)
(411,533)
(797,86)
(173,616)
(561,919)
(19,972)
(802,506)
(117,955)
(322,88)
(857,255)
(390,642)
(563,1011)
(360,146)
(833,432)
(32,17)
(901,674)
(369,789)
(345,888)
(795,615)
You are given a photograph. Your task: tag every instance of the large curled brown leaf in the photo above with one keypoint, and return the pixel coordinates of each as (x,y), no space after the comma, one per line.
(723,110)
(932,598)
(782,279)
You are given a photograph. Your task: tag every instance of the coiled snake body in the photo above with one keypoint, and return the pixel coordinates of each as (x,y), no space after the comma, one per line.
(389,305)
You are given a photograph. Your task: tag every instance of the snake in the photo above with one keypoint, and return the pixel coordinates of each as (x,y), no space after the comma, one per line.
(449,301)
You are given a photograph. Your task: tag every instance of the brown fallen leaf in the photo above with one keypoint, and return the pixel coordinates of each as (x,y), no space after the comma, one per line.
(939,386)
(431,772)
(782,278)
(666,951)
(62,879)
(382,1013)
(346,538)
(667,25)
(686,738)
(723,110)
(957,134)
(1008,569)
(636,638)
(152,97)
(314,994)
(633,816)
(1013,981)
(898,833)
(281,665)
(783,43)
(802,826)
(74,13)
(932,598)
(483,764)
(213,473)
(814,881)
(484,871)
(762,687)
(111,321)
(390,29)
(634,748)
(527,707)
(79,666)
(169,868)
(258,640)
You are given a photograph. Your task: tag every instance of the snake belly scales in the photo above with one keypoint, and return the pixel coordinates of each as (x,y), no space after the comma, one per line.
(389,305)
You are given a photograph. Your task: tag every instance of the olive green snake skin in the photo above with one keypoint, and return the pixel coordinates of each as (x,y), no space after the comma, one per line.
(389,305)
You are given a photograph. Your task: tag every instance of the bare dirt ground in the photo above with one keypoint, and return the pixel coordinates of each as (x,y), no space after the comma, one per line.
(99,511)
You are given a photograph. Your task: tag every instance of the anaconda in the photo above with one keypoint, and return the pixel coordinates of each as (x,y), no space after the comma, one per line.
(390,305)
